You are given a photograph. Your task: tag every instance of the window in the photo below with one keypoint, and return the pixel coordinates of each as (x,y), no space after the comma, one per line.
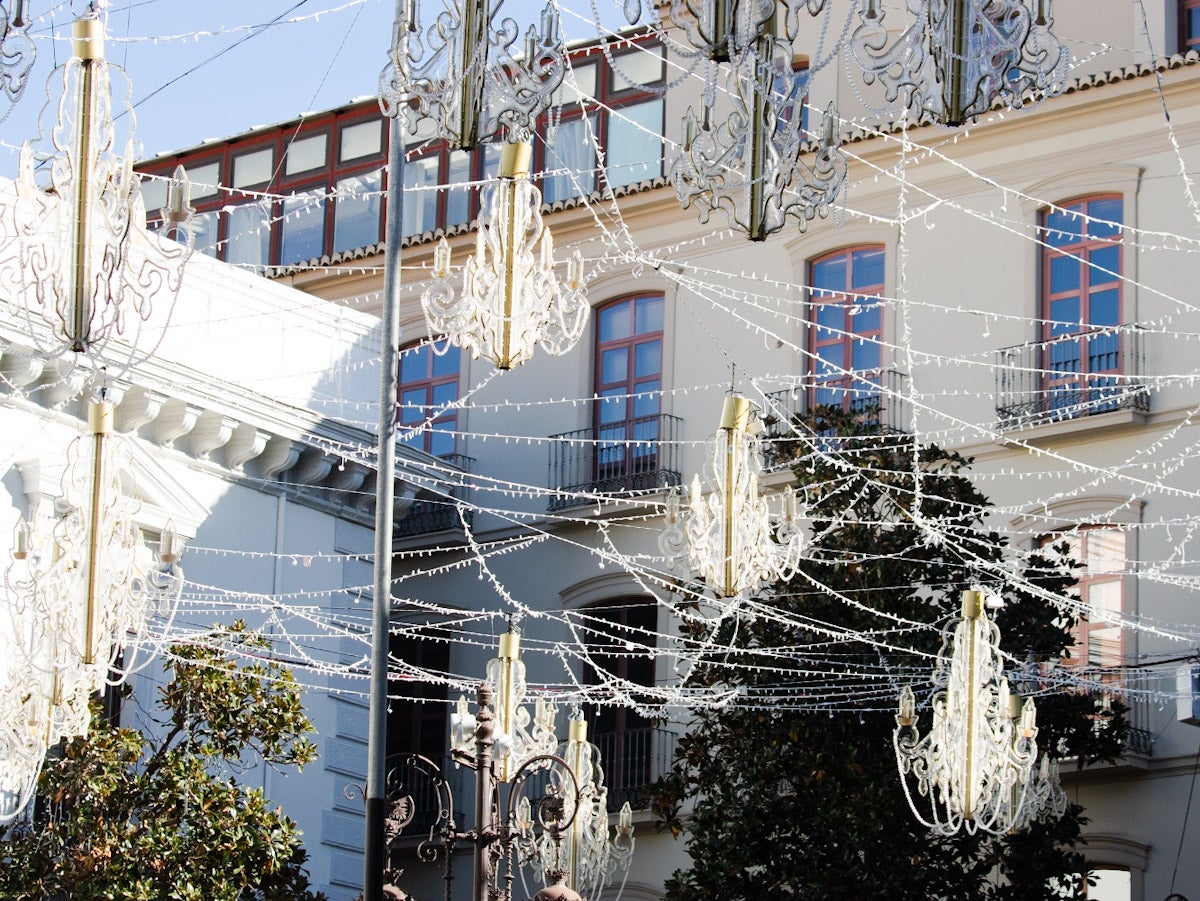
(1189,25)
(570,154)
(1081,306)
(428,390)
(626,739)
(249,228)
(361,139)
(844,341)
(253,168)
(357,211)
(1099,554)
(417,722)
(305,154)
(629,345)
(302,229)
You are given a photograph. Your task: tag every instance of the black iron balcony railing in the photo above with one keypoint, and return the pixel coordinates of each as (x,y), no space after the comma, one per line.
(1071,376)
(439,513)
(632,760)
(878,394)
(617,458)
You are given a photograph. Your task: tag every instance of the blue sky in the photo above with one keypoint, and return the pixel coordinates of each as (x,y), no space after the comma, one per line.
(204,69)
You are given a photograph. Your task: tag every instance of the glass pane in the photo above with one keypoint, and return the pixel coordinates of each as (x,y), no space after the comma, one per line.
(1111,885)
(420,195)
(648,315)
(614,366)
(445,393)
(204,225)
(612,406)
(865,316)
(614,322)
(831,317)
(646,401)
(1064,274)
(361,139)
(303,227)
(253,168)
(357,211)
(832,358)
(647,359)
(637,67)
(441,439)
(458,200)
(1102,212)
(1106,264)
(304,154)
(249,230)
(578,84)
(204,180)
(1105,307)
(1064,315)
(154,192)
(412,405)
(1105,550)
(830,273)
(414,363)
(569,154)
(1062,227)
(445,364)
(635,147)
(868,269)
(865,355)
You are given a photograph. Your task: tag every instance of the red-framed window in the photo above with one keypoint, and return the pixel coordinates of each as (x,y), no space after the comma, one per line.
(1099,553)
(847,326)
(1081,304)
(428,389)
(624,736)
(1189,25)
(628,383)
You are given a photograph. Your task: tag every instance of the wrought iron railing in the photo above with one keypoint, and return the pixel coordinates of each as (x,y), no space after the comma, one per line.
(617,458)
(1071,376)
(878,394)
(632,760)
(440,513)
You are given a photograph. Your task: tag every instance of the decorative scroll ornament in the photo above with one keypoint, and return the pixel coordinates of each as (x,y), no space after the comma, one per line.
(464,75)
(729,537)
(723,29)
(81,603)
(511,301)
(751,165)
(975,768)
(16,53)
(959,57)
(518,737)
(88,267)
(586,854)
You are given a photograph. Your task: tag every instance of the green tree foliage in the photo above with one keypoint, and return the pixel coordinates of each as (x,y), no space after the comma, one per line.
(131,816)
(779,803)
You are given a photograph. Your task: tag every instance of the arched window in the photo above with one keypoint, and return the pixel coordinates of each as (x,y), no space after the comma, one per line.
(847,325)
(428,389)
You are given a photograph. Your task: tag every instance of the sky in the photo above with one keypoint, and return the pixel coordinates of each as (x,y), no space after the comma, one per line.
(203,69)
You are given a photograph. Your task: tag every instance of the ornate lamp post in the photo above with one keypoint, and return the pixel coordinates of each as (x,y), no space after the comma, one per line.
(729,537)
(976,765)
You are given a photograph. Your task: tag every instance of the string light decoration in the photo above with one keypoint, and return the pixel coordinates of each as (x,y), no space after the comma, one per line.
(16,52)
(464,74)
(976,765)
(583,856)
(511,300)
(79,600)
(729,537)
(957,58)
(751,165)
(87,266)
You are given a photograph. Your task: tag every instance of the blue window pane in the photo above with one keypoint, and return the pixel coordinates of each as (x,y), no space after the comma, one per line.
(357,211)
(1106,264)
(445,394)
(412,405)
(614,322)
(1104,353)
(865,355)
(303,227)
(868,268)
(1064,316)
(831,315)
(1105,307)
(647,359)
(867,318)
(614,365)
(646,401)
(1065,356)
(612,408)
(648,315)
(635,147)
(1064,274)
(830,274)
(831,358)
(414,363)
(1102,212)
(445,364)
(1062,227)
(441,439)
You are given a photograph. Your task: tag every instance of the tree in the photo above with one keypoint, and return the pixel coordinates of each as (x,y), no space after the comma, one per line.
(808,804)
(161,815)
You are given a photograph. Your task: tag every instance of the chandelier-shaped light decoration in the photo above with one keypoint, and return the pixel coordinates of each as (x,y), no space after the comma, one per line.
(511,300)
(466,74)
(587,854)
(751,164)
(957,58)
(80,601)
(89,268)
(974,768)
(518,736)
(729,536)
(16,53)
(724,29)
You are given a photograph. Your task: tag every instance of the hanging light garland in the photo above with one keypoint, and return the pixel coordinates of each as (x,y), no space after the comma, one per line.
(975,767)
(511,300)
(78,602)
(959,57)
(584,856)
(752,164)
(465,75)
(16,52)
(729,537)
(88,267)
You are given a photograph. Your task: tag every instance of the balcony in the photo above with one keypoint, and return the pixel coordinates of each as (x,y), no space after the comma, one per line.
(632,761)
(879,391)
(431,513)
(1046,382)
(623,458)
